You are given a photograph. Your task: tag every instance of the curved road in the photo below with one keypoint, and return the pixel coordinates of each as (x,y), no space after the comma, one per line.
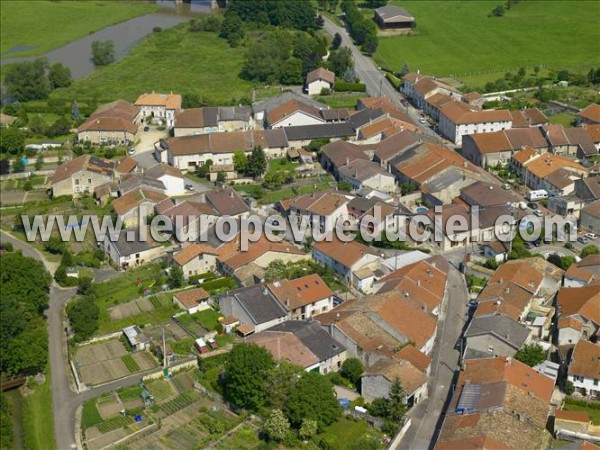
(64,401)
(375,80)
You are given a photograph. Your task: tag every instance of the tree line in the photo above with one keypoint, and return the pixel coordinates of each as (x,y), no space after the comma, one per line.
(23,336)
(362,29)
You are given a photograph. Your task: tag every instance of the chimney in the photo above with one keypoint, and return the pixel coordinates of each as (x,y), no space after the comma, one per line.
(231,194)
(406,294)
(418,282)
(265,290)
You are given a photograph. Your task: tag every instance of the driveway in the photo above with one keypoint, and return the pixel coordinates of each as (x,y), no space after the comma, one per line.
(144,149)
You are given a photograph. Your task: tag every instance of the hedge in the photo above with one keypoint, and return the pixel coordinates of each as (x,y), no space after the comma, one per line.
(213,285)
(396,82)
(342,86)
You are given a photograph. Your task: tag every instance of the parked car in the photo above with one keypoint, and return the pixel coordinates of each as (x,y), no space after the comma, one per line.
(473,303)
(131,150)
(532,205)
(146,128)
(537,242)
(582,240)
(404,102)
(423,120)
(591,236)
(506,186)
(190,187)
(538,213)
(529,245)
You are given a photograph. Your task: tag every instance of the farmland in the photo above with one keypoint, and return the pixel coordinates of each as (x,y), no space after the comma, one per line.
(458,38)
(52,24)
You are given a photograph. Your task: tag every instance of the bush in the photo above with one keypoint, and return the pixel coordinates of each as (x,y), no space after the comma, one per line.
(342,86)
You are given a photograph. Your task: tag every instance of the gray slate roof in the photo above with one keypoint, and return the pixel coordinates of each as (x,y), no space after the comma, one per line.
(315,338)
(390,11)
(274,102)
(501,326)
(259,303)
(326,130)
(127,247)
(364,116)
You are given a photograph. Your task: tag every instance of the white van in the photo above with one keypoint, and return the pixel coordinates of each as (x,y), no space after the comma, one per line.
(537,195)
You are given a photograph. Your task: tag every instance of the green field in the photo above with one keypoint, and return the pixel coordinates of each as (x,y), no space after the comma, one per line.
(458,38)
(174,60)
(46,25)
(38,423)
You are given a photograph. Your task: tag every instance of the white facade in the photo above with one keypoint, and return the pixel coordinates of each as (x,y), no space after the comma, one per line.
(568,336)
(317,86)
(174,185)
(590,385)
(454,132)
(296,119)
(152,113)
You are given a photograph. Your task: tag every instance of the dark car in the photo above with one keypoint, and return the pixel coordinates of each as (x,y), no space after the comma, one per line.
(146,128)
(404,102)
(473,304)
(529,245)
(537,242)
(532,205)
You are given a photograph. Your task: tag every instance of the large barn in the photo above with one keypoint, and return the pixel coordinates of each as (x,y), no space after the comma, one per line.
(391,17)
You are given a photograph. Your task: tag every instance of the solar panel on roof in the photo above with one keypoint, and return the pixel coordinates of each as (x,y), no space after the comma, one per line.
(469,398)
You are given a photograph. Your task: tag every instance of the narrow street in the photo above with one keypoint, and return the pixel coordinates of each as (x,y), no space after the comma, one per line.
(427,416)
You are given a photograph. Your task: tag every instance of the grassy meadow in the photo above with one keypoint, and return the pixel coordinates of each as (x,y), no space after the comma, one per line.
(173,60)
(52,24)
(458,38)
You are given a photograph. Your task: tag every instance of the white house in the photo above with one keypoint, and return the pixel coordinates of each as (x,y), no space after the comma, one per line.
(584,370)
(159,108)
(192,300)
(320,208)
(130,250)
(361,173)
(344,258)
(303,297)
(458,119)
(293,114)
(171,177)
(319,79)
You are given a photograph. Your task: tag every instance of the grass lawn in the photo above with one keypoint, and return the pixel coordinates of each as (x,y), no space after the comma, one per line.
(38,423)
(164,310)
(458,38)
(90,415)
(593,412)
(174,60)
(344,433)
(341,100)
(245,437)
(124,288)
(563,118)
(208,319)
(47,25)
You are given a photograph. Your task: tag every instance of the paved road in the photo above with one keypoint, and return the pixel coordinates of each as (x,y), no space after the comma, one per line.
(367,71)
(427,416)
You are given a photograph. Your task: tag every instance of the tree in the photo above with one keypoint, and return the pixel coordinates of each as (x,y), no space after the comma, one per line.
(12,140)
(276,426)
(39,162)
(391,409)
(352,370)
(37,125)
(103,52)
(349,75)
(320,22)
(281,381)
(376,3)
(175,279)
(340,60)
(336,42)
(240,162)
(569,388)
(221,177)
(531,354)
(23,338)
(589,250)
(83,316)
(257,163)
(60,127)
(59,76)
(18,166)
(232,28)
(84,285)
(312,398)
(308,429)
(498,11)
(246,375)
(27,81)
(404,70)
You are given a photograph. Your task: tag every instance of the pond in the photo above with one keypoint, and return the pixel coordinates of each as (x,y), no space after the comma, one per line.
(125,35)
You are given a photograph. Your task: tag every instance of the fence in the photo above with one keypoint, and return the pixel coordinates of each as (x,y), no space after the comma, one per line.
(191,363)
